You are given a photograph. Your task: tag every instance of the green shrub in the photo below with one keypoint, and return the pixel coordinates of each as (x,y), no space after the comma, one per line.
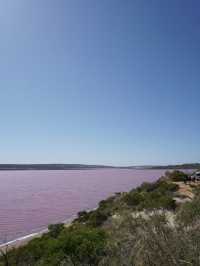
(55,229)
(83,217)
(160,185)
(107,203)
(156,200)
(152,195)
(167,187)
(133,198)
(97,218)
(85,246)
(148,187)
(177,176)
(82,214)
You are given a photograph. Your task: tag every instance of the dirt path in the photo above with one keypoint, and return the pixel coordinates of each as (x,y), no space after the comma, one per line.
(186,190)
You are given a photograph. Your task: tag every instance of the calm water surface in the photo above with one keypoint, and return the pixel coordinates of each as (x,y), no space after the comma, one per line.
(30,200)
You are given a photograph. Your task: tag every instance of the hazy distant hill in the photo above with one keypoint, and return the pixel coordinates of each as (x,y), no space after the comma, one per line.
(175,166)
(50,166)
(86,167)
(178,166)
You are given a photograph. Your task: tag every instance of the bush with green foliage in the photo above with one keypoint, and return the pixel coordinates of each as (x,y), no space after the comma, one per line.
(157,200)
(152,196)
(84,246)
(160,185)
(177,176)
(55,229)
(134,198)
(97,218)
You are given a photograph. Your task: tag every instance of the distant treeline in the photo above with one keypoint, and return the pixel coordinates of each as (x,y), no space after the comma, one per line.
(179,166)
(170,167)
(50,166)
(86,166)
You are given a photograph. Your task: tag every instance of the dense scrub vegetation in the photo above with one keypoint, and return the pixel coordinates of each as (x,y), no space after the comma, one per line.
(151,196)
(73,246)
(142,227)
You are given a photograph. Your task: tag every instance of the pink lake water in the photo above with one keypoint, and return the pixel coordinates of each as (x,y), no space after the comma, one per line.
(30,200)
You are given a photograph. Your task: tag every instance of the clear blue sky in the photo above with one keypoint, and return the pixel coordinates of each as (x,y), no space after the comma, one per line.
(107,82)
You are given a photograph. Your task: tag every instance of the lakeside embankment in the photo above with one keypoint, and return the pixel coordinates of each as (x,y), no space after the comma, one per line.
(23,240)
(34,199)
(155,217)
(139,176)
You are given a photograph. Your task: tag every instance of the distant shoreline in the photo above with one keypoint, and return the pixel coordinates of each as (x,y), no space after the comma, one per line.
(22,167)
(49,167)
